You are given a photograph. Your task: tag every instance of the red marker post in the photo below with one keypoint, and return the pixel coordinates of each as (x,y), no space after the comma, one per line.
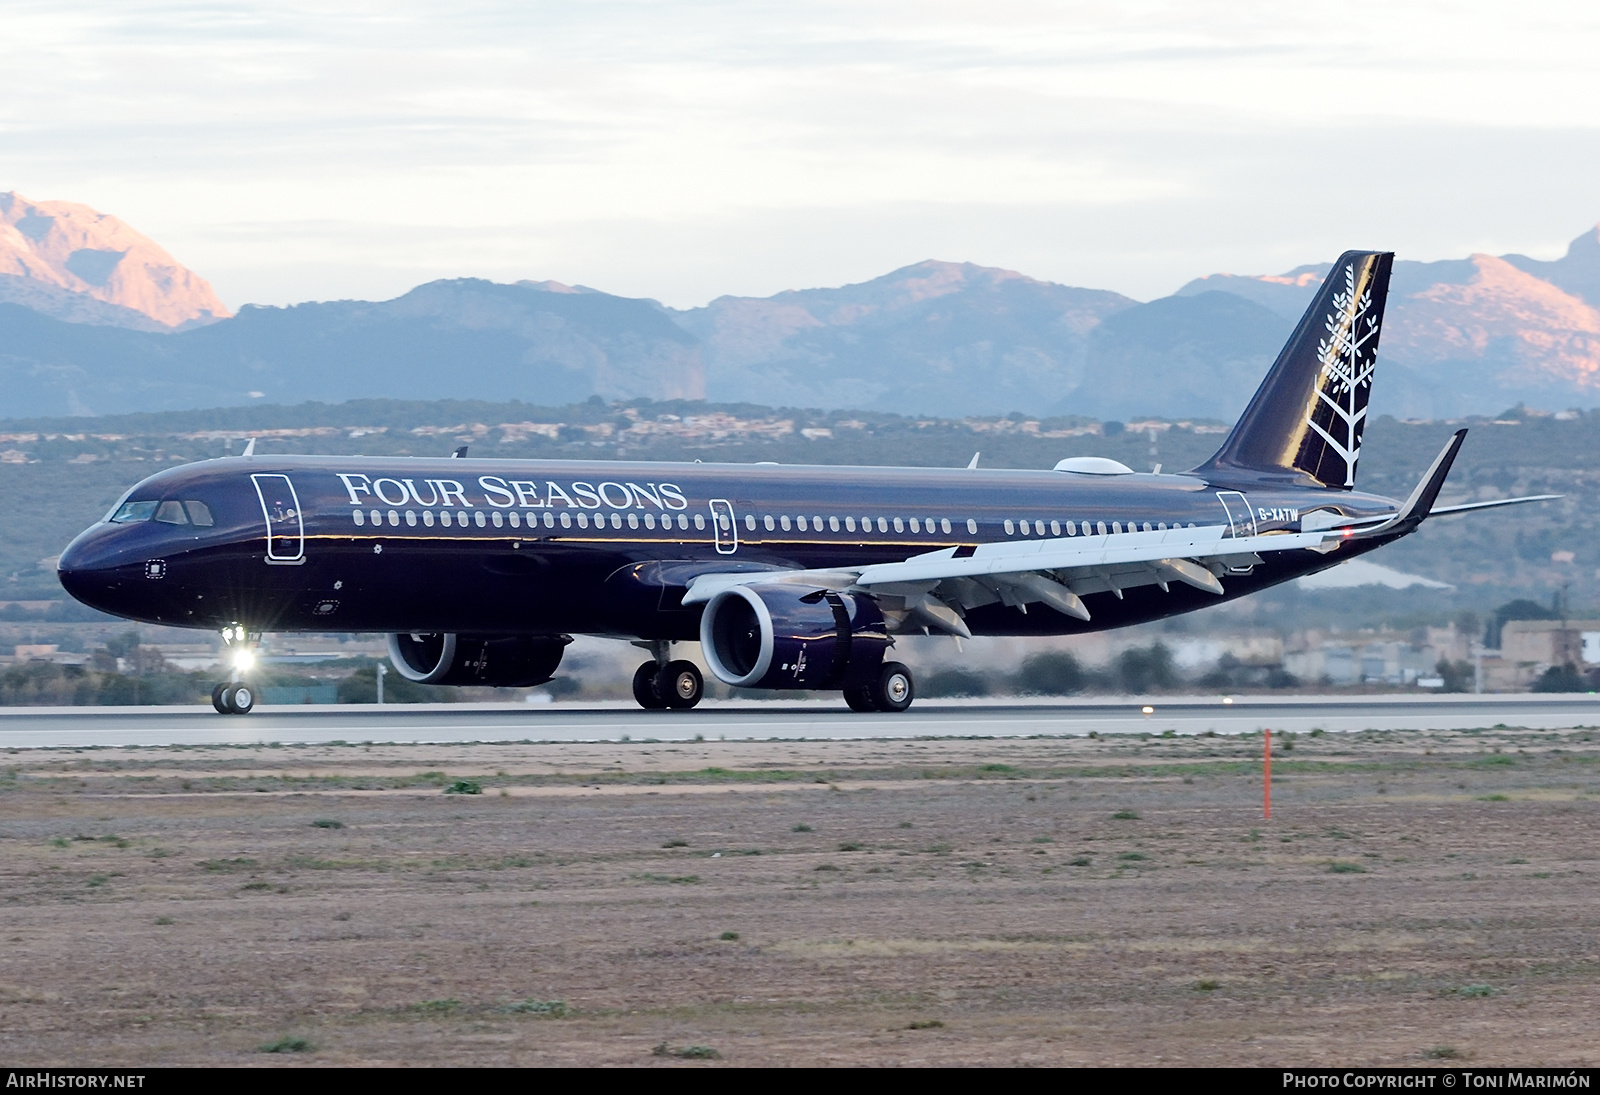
(1266,774)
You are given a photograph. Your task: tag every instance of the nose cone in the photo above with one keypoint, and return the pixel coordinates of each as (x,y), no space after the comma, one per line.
(89,568)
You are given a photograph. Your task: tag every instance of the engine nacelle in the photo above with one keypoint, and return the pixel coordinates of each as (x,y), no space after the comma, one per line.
(518,661)
(777,636)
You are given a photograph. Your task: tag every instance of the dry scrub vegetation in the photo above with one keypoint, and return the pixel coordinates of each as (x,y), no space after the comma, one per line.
(1416,896)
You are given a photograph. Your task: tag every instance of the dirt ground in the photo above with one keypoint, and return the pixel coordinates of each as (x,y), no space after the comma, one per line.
(1416,899)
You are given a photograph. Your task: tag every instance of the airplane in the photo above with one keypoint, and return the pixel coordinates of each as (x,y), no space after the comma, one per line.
(789,577)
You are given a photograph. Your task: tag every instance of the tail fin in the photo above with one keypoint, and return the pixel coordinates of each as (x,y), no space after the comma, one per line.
(1311,410)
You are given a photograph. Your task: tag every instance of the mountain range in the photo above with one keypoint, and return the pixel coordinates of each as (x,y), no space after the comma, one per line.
(95,319)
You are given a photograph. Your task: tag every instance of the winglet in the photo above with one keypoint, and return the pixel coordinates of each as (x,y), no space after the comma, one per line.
(1420,503)
(974,461)
(249,448)
(1427,492)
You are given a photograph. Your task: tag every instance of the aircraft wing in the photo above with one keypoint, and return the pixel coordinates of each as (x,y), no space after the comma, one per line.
(935,589)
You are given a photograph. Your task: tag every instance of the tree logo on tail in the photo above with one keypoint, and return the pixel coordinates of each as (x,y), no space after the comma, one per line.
(1348,355)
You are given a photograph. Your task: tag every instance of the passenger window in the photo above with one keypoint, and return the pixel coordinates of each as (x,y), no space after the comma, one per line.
(566,519)
(700,521)
(944,524)
(1116,527)
(972,526)
(849,524)
(633,520)
(800,522)
(583,519)
(770,523)
(1099,527)
(550,520)
(1072,529)
(833,524)
(411,517)
(199,514)
(750,521)
(1038,526)
(784,521)
(883,526)
(1055,528)
(171,513)
(650,520)
(1010,528)
(516,521)
(899,525)
(1161,525)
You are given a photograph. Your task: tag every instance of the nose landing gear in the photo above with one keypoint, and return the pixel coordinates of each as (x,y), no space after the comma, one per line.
(234,696)
(233,699)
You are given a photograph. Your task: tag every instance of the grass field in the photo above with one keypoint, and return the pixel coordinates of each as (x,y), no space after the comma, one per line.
(1417,898)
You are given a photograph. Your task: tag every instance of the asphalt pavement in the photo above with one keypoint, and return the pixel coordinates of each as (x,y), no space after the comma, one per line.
(823,719)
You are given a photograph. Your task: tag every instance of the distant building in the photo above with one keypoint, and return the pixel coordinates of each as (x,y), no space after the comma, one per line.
(1551,642)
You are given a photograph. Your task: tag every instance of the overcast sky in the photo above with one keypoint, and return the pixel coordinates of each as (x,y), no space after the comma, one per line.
(687,150)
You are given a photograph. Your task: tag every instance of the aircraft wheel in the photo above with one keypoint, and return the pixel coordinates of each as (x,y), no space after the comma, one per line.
(241,699)
(894,688)
(860,699)
(644,687)
(680,685)
(218,698)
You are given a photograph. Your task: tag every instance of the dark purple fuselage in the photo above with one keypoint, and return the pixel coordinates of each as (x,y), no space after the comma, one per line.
(497,547)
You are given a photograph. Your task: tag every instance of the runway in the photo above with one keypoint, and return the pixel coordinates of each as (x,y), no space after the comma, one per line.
(85,727)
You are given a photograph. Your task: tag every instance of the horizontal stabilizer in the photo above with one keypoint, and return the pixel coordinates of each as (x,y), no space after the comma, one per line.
(1467,507)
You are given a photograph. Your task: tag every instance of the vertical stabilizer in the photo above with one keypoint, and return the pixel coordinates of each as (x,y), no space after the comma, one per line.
(1310,412)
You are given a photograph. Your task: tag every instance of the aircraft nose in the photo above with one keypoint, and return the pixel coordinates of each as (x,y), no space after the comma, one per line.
(87,569)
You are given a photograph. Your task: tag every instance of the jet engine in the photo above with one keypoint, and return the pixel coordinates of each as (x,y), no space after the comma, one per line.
(517,661)
(778,636)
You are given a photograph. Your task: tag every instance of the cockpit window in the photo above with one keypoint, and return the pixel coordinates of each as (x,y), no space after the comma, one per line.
(171,513)
(135,511)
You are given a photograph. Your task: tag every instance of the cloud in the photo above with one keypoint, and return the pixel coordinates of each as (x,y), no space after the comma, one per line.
(683,150)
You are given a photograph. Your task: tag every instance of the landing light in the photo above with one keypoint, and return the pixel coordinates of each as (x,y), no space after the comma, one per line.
(1227,699)
(243,659)
(1148,710)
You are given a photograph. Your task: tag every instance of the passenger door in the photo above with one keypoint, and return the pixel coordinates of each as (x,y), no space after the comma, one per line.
(1241,518)
(724,526)
(286,530)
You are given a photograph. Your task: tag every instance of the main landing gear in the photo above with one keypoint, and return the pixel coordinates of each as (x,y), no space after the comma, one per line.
(663,684)
(892,690)
(233,696)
